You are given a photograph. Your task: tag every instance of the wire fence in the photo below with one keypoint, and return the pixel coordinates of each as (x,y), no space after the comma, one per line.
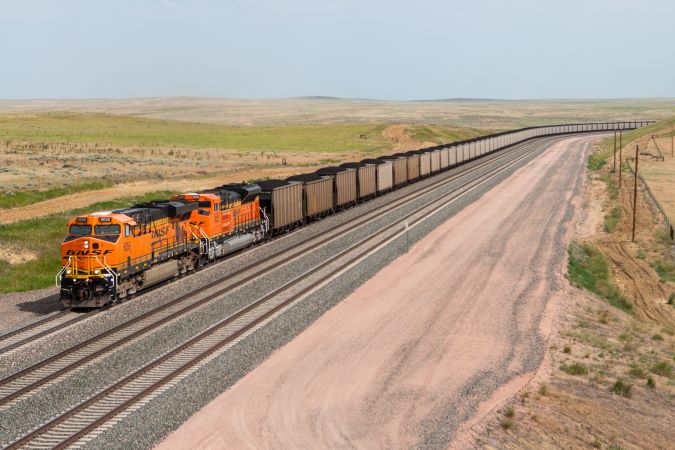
(652,197)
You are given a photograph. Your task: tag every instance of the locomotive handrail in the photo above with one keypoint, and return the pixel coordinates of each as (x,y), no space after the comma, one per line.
(63,269)
(266,221)
(108,269)
(207,239)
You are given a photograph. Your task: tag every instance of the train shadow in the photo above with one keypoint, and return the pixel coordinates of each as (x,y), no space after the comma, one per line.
(43,306)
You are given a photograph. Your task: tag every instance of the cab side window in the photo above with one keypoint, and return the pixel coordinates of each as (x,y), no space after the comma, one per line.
(127,230)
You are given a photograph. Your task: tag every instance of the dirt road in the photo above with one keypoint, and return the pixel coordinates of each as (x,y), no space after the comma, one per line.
(459,322)
(397,133)
(83,199)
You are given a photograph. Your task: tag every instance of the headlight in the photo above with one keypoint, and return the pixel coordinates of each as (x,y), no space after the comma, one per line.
(68,271)
(96,271)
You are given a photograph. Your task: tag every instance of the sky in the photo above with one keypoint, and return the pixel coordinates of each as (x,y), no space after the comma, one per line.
(382,49)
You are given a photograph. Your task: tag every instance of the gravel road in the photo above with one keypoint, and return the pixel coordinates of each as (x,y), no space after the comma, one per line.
(409,356)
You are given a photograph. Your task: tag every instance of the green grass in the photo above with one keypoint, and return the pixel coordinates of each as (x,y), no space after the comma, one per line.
(622,388)
(597,161)
(665,269)
(662,368)
(588,269)
(612,219)
(23,198)
(43,237)
(443,134)
(575,369)
(124,130)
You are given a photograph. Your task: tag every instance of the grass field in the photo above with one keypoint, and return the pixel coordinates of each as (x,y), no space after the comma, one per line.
(22,198)
(47,155)
(484,114)
(443,134)
(106,130)
(42,238)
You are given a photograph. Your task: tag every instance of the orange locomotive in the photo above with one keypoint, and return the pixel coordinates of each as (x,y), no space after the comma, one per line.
(110,255)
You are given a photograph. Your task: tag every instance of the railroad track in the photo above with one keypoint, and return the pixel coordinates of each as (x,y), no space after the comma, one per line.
(37,377)
(41,328)
(58,322)
(140,386)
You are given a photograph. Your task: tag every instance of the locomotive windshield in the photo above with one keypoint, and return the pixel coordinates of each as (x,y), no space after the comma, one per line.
(107,229)
(80,230)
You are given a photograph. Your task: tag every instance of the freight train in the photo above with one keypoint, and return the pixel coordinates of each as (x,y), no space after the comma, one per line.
(110,255)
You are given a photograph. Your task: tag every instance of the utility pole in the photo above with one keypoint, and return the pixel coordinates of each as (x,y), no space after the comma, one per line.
(637,158)
(620,160)
(614,151)
(672,135)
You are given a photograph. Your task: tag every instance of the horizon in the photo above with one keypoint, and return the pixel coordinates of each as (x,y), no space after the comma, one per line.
(328,97)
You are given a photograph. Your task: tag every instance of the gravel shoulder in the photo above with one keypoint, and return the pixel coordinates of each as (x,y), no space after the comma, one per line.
(414,352)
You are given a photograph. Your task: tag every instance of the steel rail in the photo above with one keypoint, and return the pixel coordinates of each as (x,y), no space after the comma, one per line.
(155,377)
(16,343)
(30,379)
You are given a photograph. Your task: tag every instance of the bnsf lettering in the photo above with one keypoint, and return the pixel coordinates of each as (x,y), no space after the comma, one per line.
(160,232)
(87,252)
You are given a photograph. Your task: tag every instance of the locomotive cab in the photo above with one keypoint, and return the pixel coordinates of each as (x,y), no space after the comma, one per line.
(90,255)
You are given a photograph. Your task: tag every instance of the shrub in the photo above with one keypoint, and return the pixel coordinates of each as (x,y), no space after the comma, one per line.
(575,369)
(663,368)
(636,372)
(510,412)
(543,389)
(651,384)
(657,337)
(567,349)
(506,423)
(621,388)
(671,299)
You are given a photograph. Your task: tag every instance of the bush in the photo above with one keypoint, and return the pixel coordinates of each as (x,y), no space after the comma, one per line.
(575,369)
(651,384)
(622,388)
(663,368)
(567,349)
(543,390)
(657,337)
(510,412)
(506,423)
(636,372)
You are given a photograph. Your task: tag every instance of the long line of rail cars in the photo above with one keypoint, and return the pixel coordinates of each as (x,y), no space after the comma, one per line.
(110,255)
